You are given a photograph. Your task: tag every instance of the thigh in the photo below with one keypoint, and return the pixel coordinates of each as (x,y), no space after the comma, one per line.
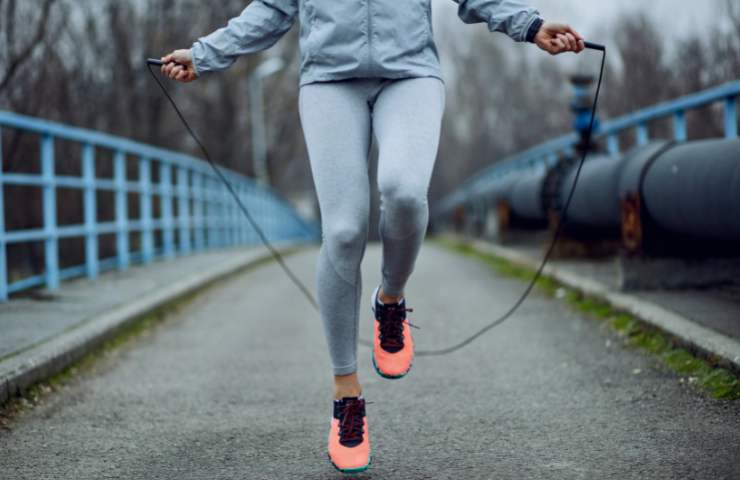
(336,125)
(407,119)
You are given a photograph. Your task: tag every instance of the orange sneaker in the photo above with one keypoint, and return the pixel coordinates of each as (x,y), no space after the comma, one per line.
(393,349)
(349,439)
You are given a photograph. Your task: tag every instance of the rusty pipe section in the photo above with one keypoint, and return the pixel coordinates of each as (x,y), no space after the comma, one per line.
(654,195)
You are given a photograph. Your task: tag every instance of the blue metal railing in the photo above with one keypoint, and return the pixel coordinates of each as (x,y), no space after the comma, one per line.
(548,152)
(207,217)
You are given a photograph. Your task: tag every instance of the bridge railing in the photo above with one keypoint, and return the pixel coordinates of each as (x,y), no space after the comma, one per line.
(206,216)
(639,121)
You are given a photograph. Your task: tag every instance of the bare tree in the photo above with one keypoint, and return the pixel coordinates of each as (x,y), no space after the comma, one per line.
(18,51)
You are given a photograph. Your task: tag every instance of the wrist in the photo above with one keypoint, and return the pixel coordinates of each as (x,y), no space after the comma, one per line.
(534,29)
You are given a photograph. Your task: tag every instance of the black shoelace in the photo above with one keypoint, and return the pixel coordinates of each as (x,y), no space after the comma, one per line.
(391,318)
(351,422)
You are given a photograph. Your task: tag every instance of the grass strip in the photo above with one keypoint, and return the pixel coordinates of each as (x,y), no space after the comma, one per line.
(717,382)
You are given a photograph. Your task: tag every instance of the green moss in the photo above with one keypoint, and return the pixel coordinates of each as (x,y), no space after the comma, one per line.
(683,362)
(548,286)
(650,341)
(595,307)
(717,382)
(721,383)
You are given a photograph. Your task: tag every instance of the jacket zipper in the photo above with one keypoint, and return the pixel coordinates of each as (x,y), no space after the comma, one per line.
(369,39)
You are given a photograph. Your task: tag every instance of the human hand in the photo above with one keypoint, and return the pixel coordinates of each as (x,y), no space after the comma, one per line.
(178,65)
(556,38)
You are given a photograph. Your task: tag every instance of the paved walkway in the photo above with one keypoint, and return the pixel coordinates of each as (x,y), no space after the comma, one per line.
(237,385)
(29,321)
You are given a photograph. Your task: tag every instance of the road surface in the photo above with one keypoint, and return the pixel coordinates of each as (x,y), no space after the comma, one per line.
(237,385)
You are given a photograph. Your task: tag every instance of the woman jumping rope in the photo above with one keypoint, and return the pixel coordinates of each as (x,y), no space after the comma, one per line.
(368,68)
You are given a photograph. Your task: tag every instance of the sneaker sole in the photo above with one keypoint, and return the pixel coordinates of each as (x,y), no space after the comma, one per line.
(351,470)
(385,375)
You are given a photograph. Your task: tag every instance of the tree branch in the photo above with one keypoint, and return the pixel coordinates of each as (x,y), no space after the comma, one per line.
(18,60)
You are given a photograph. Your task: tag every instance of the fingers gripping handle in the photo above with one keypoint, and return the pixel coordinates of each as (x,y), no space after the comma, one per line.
(158,63)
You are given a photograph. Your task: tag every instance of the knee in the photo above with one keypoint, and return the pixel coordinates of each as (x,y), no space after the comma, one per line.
(406,198)
(346,236)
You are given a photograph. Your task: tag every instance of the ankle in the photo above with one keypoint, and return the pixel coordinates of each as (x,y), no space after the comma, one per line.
(388,299)
(340,393)
(347,386)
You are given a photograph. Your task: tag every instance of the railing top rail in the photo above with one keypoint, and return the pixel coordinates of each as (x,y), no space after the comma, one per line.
(559,144)
(111,142)
(687,102)
(555,145)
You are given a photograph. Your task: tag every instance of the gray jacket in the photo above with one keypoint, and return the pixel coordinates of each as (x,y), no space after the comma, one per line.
(342,39)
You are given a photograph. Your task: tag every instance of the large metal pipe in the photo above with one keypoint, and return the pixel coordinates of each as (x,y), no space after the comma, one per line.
(694,189)
(595,202)
(637,162)
(526,197)
(497,190)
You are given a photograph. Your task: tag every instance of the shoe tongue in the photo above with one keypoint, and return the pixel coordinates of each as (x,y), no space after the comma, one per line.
(344,402)
(393,305)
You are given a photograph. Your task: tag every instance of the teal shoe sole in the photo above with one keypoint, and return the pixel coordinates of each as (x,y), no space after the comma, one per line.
(352,471)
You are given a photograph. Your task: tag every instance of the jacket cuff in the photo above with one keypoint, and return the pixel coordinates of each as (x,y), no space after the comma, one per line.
(197,53)
(533,29)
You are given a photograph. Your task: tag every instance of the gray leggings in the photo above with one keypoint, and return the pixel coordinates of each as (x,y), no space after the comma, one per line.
(339,119)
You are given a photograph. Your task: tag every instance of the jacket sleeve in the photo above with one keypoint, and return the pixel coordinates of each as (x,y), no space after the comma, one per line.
(257,28)
(511,17)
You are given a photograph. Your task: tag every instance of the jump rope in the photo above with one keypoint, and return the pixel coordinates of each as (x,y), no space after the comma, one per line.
(307,293)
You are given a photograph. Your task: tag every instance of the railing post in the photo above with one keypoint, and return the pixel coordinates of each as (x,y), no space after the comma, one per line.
(3,261)
(183,208)
(612,143)
(145,206)
(231,215)
(209,211)
(51,242)
(731,117)
(122,243)
(90,208)
(679,126)
(223,216)
(165,185)
(248,233)
(223,238)
(643,137)
(240,218)
(198,220)
(256,208)
(211,214)
(264,213)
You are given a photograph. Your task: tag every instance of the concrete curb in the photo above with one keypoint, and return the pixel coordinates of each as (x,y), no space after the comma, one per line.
(19,372)
(720,348)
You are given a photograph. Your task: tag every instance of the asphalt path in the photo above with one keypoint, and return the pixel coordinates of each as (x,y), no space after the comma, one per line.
(238,385)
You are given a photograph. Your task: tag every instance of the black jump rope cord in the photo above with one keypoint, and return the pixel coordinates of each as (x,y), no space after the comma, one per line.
(306,292)
(231,190)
